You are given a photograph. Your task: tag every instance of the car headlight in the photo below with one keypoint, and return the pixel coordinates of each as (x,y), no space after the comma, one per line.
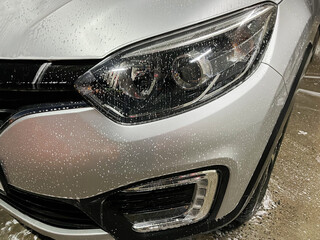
(179,71)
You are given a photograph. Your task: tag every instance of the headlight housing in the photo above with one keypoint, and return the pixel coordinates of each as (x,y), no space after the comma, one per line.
(174,73)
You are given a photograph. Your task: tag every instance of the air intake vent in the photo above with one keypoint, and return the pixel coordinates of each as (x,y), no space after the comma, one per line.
(143,202)
(47,210)
(167,203)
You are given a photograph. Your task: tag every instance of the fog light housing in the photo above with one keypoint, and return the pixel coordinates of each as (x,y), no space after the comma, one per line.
(204,185)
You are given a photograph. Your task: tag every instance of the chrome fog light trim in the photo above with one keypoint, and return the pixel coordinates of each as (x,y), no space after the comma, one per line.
(205,182)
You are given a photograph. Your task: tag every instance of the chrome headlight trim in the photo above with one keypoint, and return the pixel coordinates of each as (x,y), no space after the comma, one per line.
(179,71)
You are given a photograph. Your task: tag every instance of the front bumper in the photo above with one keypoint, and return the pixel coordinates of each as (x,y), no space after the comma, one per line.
(77,154)
(272,146)
(77,167)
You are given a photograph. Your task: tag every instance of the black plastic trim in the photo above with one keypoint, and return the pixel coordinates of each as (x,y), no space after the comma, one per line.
(150,201)
(58,75)
(111,220)
(48,210)
(4,181)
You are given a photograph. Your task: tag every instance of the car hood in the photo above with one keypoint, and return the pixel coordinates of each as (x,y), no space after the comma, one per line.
(91,29)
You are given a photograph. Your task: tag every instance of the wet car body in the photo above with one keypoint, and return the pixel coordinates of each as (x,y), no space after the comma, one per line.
(58,151)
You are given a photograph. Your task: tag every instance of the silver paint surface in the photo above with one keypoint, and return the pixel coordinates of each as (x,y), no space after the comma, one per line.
(82,29)
(295,28)
(81,153)
(291,207)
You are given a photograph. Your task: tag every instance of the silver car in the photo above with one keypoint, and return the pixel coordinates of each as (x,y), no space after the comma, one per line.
(145,119)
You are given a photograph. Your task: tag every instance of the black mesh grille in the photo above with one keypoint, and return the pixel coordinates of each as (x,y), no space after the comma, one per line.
(48,210)
(142,202)
(20,88)
(18,72)
(35,75)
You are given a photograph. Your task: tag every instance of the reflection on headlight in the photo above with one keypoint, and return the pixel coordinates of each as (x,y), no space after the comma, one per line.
(182,70)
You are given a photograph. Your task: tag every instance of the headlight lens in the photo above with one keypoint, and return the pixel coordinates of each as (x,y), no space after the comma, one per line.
(179,71)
